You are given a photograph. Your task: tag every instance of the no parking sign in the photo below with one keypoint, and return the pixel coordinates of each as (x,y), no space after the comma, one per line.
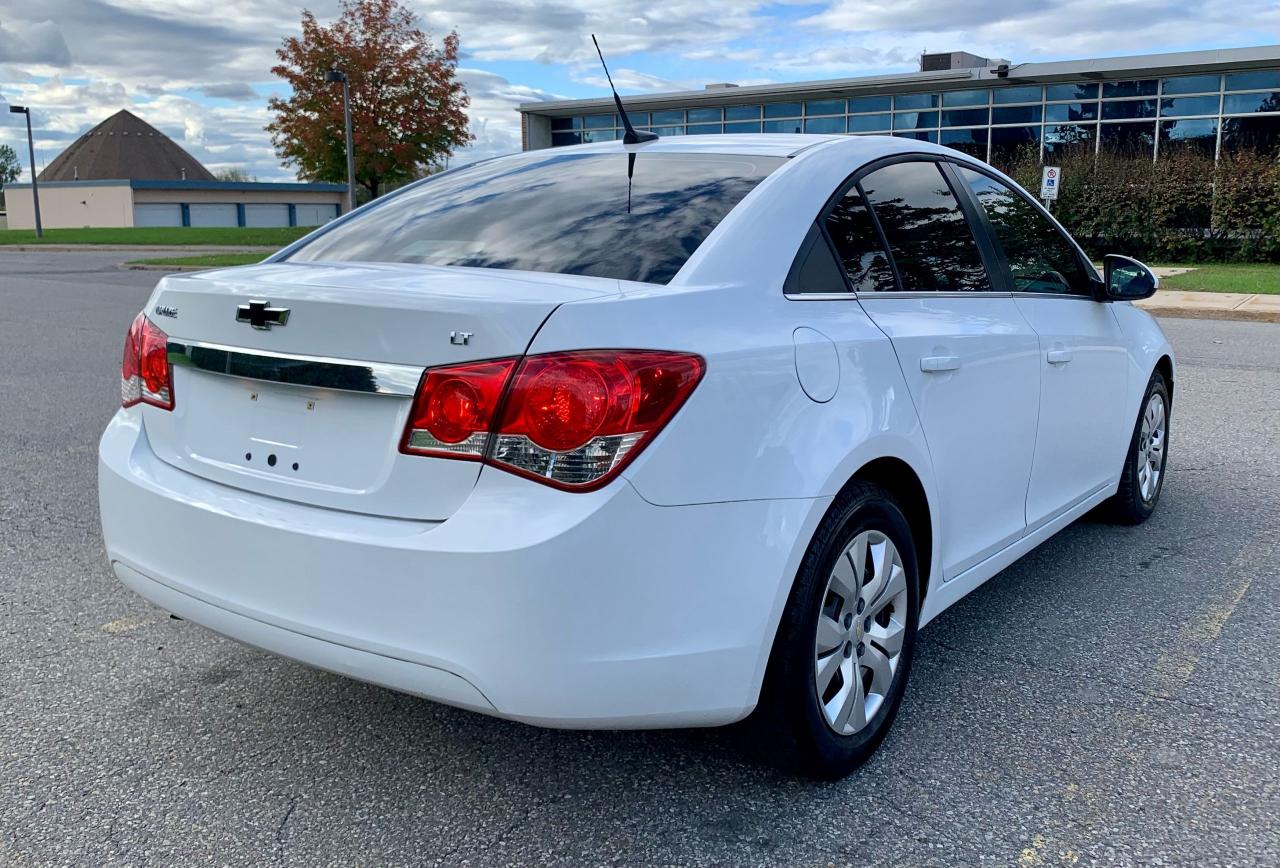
(1050,178)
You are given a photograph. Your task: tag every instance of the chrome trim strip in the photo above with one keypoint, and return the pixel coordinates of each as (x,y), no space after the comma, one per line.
(820,296)
(1074,295)
(939,294)
(320,372)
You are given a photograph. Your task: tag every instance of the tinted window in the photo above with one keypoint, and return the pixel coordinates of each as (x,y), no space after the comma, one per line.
(858,245)
(572,214)
(927,232)
(1040,258)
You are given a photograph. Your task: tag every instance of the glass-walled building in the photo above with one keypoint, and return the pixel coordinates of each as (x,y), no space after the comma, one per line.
(1211,101)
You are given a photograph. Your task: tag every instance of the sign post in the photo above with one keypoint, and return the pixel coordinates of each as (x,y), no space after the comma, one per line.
(1050,180)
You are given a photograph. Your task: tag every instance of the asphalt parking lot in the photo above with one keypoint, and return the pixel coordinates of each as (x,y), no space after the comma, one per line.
(1113,698)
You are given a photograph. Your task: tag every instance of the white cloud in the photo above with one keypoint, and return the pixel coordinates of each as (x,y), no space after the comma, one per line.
(92,57)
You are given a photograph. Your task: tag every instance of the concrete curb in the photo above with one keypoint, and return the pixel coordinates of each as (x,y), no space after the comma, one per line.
(1210,313)
(1252,307)
(175,249)
(125,266)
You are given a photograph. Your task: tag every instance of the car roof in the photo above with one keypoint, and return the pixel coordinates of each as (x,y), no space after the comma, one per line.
(766,144)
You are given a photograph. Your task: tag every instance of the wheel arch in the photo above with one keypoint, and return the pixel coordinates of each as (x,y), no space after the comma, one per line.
(905,486)
(1165,366)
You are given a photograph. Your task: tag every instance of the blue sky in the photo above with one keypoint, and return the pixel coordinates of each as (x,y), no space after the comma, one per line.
(203,79)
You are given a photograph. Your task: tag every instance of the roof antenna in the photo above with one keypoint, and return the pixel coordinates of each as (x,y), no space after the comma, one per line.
(632,136)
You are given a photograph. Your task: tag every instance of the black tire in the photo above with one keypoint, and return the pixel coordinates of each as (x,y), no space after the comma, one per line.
(1128,506)
(790,728)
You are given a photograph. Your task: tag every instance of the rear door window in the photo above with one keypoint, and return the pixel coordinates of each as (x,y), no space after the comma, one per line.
(625,216)
(928,234)
(858,244)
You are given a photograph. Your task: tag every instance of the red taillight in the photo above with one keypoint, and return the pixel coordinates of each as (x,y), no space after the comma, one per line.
(454,409)
(145,373)
(572,420)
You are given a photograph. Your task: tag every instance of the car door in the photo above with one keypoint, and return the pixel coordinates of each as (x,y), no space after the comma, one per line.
(1084,424)
(969,357)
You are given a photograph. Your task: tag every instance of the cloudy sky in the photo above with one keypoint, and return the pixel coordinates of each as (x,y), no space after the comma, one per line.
(199,70)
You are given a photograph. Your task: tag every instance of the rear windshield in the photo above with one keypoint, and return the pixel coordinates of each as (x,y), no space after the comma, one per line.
(591,214)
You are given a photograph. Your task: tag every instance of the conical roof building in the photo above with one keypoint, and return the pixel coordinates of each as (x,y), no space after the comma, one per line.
(125,147)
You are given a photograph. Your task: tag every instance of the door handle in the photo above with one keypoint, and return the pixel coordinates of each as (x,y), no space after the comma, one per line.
(1059,356)
(937,364)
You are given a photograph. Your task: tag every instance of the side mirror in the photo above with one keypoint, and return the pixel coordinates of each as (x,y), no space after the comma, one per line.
(1127,279)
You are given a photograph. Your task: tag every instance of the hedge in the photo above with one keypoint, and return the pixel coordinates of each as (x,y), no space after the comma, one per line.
(1185,207)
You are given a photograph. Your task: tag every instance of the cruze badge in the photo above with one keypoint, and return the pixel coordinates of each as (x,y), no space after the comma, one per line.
(166,310)
(261,315)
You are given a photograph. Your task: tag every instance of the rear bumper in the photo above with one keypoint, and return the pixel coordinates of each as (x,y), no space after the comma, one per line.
(576,610)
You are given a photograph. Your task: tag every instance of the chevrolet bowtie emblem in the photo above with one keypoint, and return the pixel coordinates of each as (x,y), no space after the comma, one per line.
(261,315)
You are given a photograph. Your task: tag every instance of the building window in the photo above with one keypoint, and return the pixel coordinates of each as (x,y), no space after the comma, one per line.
(1260,134)
(1129,108)
(668,117)
(915,120)
(1010,145)
(964,117)
(971,142)
(915,101)
(562,124)
(1061,140)
(966,97)
(1018,114)
(789,126)
(561,139)
(1189,105)
(742,127)
(1006,95)
(1112,89)
(1199,135)
(824,125)
(703,129)
(1245,103)
(742,113)
(864,104)
(1128,140)
(1268,78)
(1060,92)
(920,135)
(824,107)
(1071,112)
(868,123)
(705,115)
(669,131)
(1191,84)
(782,110)
(600,122)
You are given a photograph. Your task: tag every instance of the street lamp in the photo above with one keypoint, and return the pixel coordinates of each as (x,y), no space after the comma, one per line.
(31,152)
(332,76)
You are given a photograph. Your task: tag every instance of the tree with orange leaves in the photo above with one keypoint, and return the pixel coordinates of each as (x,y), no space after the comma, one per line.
(407,105)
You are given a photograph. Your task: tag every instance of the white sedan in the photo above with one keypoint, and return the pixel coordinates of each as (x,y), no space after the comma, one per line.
(637,435)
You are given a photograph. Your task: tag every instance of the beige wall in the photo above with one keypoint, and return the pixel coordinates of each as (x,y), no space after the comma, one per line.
(71,207)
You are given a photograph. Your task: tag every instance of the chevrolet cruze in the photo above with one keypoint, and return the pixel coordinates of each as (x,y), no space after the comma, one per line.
(651,435)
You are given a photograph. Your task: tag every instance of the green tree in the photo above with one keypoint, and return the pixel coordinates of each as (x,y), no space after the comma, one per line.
(408,109)
(10,168)
(234,173)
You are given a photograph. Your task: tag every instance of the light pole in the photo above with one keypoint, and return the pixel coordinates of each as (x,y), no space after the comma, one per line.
(336,75)
(31,152)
